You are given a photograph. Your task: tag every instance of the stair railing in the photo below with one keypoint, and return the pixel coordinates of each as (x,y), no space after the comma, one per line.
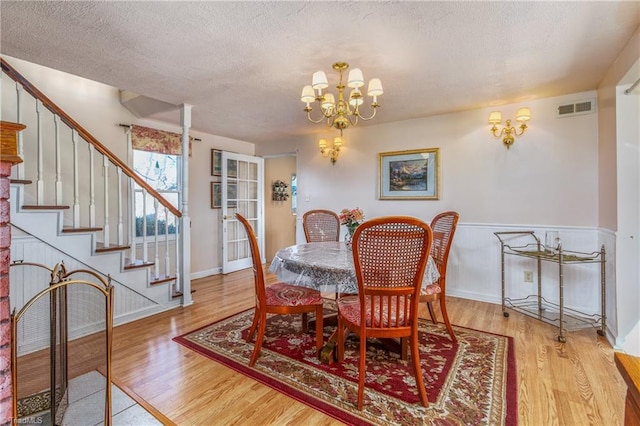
(83,186)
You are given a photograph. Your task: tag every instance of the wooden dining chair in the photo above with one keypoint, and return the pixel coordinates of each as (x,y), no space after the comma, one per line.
(278,298)
(321,225)
(443,226)
(390,255)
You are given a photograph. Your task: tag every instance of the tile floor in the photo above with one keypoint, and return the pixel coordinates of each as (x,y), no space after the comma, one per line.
(86,406)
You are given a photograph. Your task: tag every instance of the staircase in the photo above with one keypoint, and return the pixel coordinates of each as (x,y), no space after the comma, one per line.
(72,200)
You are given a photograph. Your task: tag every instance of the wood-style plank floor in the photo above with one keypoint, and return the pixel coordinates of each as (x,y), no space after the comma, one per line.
(576,383)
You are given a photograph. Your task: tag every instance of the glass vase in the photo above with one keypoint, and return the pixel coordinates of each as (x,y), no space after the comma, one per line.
(348,237)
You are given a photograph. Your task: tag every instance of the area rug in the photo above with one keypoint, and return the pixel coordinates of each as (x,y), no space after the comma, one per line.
(472,382)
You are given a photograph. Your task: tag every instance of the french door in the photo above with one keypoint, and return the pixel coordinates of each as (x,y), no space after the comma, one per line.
(242,192)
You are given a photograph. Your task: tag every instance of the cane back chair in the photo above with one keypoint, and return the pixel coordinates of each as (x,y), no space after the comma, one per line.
(443,226)
(321,225)
(390,255)
(278,298)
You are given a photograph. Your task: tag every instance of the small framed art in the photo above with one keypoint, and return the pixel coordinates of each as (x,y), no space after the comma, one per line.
(216,162)
(410,175)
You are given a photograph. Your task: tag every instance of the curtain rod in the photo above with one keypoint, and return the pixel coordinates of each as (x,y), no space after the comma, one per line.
(128,126)
(633,86)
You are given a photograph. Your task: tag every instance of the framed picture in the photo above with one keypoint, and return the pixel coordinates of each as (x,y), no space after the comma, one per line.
(216,195)
(410,175)
(216,162)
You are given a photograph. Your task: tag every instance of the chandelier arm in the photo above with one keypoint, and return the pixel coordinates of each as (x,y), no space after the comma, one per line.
(522,127)
(499,134)
(367,118)
(315,121)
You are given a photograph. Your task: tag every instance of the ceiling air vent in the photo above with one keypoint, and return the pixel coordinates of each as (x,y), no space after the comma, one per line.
(576,108)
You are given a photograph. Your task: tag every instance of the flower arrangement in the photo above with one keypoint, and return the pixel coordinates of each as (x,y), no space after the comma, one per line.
(351,218)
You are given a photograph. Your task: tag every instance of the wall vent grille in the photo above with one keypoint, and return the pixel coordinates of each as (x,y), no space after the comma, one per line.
(576,108)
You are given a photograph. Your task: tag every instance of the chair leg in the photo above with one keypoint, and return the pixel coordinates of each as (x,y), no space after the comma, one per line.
(340,339)
(254,324)
(258,345)
(319,329)
(362,369)
(445,316)
(415,355)
(431,313)
(305,324)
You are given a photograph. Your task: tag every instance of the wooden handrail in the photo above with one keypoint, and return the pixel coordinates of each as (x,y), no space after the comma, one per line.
(51,106)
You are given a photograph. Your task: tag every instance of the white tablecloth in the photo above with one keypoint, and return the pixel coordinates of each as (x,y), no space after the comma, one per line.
(327,267)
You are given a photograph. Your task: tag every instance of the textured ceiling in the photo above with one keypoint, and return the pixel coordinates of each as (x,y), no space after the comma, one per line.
(242,65)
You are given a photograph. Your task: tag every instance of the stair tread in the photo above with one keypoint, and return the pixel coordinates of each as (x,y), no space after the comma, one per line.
(68,229)
(162,279)
(22,181)
(100,248)
(136,264)
(44,207)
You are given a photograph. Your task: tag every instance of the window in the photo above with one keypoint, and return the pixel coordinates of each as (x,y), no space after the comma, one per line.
(161,172)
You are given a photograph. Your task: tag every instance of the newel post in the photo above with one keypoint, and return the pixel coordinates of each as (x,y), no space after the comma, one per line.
(8,158)
(185,235)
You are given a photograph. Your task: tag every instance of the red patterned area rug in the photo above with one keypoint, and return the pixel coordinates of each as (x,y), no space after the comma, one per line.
(471,383)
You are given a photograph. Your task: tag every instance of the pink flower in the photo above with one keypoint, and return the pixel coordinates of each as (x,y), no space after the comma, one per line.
(351,217)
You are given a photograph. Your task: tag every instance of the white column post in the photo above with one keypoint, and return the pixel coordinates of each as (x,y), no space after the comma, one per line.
(185,240)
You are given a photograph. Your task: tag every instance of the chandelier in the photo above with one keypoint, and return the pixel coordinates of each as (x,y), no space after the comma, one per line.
(343,112)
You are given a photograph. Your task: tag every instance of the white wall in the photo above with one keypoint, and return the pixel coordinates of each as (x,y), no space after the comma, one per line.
(96,107)
(547,177)
(619,150)
(546,181)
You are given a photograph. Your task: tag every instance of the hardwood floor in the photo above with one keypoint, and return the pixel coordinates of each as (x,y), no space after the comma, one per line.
(575,383)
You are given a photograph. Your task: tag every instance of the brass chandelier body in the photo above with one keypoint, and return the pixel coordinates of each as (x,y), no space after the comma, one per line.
(344,112)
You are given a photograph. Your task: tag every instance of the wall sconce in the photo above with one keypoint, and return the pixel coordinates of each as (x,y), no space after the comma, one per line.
(508,131)
(332,152)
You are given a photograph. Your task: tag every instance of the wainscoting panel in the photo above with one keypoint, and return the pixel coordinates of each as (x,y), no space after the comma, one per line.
(26,281)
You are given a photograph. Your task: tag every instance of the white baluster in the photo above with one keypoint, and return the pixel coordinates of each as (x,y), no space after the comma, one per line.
(156,259)
(120,225)
(76,181)
(167,263)
(92,189)
(105,227)
(40,181)
(145,250)
(131,205)
(132,224)
(56,120)
(20,166)
(178,284)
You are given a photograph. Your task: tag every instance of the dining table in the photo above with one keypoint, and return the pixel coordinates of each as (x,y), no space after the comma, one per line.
(329,268)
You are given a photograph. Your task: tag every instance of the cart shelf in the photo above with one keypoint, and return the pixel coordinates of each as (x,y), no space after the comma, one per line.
(535,305)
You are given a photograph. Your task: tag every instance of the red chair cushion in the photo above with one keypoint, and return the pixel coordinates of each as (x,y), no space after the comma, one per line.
(431,289)
(349,308)
(281,294)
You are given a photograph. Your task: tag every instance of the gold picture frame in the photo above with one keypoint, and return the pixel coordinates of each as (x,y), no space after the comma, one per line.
(410,175)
